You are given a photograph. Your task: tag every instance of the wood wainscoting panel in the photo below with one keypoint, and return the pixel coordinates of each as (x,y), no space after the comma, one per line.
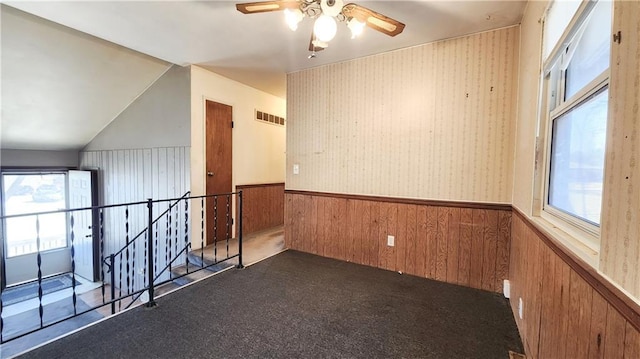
(466,244)
(262,206)
(569,311)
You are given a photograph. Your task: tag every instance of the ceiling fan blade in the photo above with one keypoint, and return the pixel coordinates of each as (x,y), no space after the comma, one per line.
(312,46)
(266,6)
(374,20)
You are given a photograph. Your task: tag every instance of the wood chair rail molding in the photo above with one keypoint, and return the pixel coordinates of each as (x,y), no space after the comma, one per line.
(399,200)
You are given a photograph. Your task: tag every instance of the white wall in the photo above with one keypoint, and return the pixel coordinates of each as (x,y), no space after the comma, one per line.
(159,117)
(258,148)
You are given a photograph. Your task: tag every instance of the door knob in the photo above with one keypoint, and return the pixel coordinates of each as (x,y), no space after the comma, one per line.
(210,174)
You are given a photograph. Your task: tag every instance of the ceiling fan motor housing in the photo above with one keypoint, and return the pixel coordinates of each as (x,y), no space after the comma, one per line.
(331,7)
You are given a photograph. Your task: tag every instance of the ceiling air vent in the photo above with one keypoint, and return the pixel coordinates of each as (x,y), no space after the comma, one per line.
(269,118)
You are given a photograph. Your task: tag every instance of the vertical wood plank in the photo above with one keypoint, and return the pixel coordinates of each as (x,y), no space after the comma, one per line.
(422,265)
(365,241)
(312,244)
(503,248)
(547,315)
(563,275)
(579,317)
(477,241)
(453,244)
(613,343)
(339,227)
(631,342)
(441,235)
(353,229)
(401,239)
(598,326)
(489,251)
(410,249)
(375,225)
(432,242)
(464,254)
(388,226)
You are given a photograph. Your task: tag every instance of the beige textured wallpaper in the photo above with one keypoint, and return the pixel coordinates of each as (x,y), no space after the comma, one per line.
(435,121)
(620,231)
(529,88)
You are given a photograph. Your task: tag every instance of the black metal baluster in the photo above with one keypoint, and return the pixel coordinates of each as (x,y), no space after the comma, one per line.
(186,233)
(1,307)
(73,265)
(166,241)
(147,237)
(101,239)
(155,256)
(176,230)
(39,259)
(202,232)
(120,284)
(112,271)
(228,224)
(126,233)
(240,265)
(215,229)
(170,233)
(133,265)
(151,302)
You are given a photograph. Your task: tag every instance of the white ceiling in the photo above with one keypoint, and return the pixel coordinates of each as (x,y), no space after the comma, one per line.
(255,49)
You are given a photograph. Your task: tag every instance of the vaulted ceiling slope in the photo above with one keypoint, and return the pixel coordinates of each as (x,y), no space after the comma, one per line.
(61,87)
(259,49)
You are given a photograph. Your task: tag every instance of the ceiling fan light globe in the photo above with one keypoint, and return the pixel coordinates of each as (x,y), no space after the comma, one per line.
(325,28)
(356,27)
(292,18)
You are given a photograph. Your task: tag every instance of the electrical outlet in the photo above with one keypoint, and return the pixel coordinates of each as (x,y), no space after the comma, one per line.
(391,241)
(296,169)
(520,307)
(506,288)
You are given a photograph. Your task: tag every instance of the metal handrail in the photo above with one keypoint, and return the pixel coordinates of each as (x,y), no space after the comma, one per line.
(154,221)
(135,294)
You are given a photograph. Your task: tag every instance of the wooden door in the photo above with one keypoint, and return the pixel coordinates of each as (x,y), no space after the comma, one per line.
(218,168)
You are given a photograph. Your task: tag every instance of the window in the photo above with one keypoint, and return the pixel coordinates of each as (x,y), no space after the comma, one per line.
(576,85)
(32,193)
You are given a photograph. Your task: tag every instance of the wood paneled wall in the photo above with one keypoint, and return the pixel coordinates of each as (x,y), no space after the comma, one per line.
(262,206)
(569,310)
(465,244)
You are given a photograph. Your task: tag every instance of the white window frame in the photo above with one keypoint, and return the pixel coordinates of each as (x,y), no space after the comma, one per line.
(552,106)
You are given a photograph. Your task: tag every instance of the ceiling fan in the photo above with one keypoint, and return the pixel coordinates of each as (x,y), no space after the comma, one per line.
(326,14)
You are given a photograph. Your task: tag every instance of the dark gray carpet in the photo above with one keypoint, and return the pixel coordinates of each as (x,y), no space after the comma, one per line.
(30,320)
(303,306)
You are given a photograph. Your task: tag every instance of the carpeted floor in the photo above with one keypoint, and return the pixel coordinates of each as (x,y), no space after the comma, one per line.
(303,306)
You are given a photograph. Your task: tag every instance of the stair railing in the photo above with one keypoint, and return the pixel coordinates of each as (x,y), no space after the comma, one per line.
(153,280)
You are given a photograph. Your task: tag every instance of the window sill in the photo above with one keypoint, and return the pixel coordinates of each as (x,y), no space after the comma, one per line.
(571,242)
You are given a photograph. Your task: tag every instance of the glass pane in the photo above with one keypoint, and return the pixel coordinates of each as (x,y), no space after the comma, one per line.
(577,159)
(591,55)
(31,193)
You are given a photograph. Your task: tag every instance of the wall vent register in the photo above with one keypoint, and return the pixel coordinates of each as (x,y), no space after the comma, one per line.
(267,117)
